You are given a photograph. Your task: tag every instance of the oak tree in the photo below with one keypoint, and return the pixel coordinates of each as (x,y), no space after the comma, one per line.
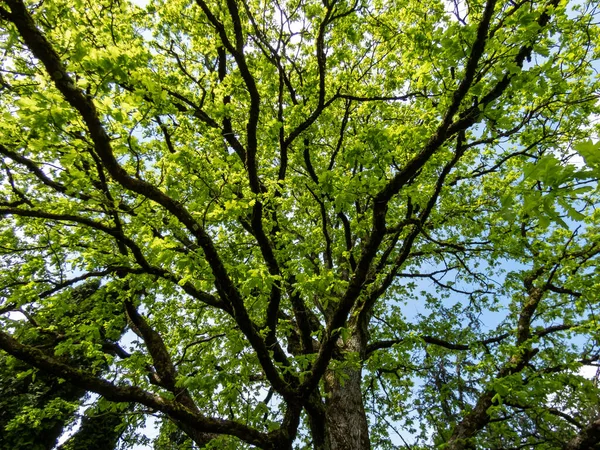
(335,224)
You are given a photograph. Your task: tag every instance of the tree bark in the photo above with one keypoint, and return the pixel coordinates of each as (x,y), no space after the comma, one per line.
(346,420)
(587,439)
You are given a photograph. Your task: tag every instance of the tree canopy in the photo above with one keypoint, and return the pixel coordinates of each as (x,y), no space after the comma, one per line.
(326,224)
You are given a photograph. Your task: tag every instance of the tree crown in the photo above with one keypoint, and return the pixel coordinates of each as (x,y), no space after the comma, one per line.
(302,223)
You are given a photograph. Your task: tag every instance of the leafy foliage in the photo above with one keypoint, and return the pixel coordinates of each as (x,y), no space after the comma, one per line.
(322,224)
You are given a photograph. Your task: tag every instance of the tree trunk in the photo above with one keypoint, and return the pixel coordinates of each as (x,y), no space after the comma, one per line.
(587,439)
(346,421)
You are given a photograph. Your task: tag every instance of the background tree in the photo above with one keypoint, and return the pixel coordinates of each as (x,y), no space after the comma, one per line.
(38,407)
(324,223)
